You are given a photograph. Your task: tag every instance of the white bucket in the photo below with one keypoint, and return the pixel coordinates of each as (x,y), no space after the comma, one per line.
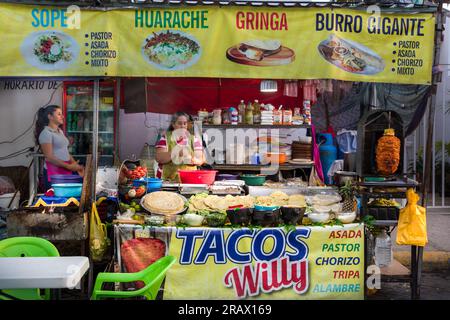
(6,198)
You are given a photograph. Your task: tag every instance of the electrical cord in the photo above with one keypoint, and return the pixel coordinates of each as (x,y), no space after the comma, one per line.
(34,119)
(17,153)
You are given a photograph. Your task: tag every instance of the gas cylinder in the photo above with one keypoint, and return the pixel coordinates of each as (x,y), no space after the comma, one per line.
(328,153)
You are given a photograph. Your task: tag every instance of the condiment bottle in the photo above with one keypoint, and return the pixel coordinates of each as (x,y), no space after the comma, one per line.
(217,116)
(249,113)
(241,108)
(256,112)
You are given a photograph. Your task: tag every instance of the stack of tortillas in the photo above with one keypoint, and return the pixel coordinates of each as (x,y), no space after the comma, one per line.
(163,202)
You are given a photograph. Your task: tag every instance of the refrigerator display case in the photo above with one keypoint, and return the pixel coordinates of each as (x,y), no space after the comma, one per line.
(78,104)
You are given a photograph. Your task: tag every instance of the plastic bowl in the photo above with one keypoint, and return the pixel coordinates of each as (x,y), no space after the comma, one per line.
(66,178)
(319,216)
(253,180)
(225,176)
(346,217)
(265,208)
(272,157)
(193,219)
(216,219)
(197,176)
(67,189)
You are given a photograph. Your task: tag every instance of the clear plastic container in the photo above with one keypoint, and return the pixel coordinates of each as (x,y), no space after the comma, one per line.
(383,249)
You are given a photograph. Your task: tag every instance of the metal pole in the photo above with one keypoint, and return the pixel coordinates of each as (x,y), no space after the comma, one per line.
(415,153)
(95,137)
(444,97)
(116,130)
(433,176)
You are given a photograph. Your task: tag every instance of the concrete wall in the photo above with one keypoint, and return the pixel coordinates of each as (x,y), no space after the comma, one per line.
(136,129)
(19,102)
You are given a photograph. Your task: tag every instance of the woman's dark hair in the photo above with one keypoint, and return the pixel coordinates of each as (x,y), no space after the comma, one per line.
(175,117)
(42,119)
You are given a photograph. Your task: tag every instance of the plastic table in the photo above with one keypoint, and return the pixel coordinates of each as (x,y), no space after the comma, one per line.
(42,272)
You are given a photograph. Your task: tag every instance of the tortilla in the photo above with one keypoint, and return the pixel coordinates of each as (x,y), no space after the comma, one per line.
(280,195)
(264,201)
(245,201)
(297,200)
(325,199)
(263,44)
(216,203)
(163,202)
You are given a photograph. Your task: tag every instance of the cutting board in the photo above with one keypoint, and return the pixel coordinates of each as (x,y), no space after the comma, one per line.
(285,56)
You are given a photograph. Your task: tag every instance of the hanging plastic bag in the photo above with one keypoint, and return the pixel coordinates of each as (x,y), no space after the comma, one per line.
(314,179)
(412,223)
(98,239)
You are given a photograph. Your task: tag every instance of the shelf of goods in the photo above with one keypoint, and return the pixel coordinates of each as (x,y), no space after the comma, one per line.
(254,167)
(256,126)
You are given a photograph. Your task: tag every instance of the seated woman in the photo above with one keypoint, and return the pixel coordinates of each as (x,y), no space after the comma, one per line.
(178,149)
(54,144)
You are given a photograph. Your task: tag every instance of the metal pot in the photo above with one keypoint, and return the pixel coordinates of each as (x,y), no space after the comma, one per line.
(341,177)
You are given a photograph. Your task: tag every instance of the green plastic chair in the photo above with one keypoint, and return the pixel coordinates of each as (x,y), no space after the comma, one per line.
(26,247)
(152,276)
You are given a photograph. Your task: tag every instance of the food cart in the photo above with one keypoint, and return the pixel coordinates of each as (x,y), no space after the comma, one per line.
(280,261)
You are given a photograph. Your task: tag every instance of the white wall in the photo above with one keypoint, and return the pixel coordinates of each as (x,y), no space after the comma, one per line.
(135,130)
(19,102)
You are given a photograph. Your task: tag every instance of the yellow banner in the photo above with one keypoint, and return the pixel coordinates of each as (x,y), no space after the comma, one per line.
(269,263)
(227,42)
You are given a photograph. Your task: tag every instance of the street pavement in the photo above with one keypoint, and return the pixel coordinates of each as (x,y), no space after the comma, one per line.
(435,284)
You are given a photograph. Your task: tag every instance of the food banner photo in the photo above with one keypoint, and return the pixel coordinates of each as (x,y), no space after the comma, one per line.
(268,263)
(226,42)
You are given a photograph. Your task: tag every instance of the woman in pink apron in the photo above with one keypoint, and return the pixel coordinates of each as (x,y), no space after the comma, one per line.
(54,144)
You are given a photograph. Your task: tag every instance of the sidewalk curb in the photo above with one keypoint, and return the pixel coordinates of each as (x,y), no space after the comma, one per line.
(432,260)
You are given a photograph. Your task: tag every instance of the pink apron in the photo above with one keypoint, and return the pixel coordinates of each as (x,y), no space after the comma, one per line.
(52,170)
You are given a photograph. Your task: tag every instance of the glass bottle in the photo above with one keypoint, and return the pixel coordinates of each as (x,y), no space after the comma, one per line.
(241,109)
(80,122)
(74,123)
(87,124)
(256,112)
(249,113)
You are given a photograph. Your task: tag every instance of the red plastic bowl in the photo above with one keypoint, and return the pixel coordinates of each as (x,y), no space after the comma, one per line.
(197,176)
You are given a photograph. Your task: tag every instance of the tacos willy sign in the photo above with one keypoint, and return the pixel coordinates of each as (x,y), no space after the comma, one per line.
(276,43)
(272,263)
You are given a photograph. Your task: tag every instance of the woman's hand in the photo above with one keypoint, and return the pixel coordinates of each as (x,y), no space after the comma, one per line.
(74,166)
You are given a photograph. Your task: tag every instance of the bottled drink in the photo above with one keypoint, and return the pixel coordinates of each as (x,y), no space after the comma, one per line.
(74,122)
(69,121)
(87,124)
(241,109)
(80,122)
(249,113)
(383,249)
(256,112)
